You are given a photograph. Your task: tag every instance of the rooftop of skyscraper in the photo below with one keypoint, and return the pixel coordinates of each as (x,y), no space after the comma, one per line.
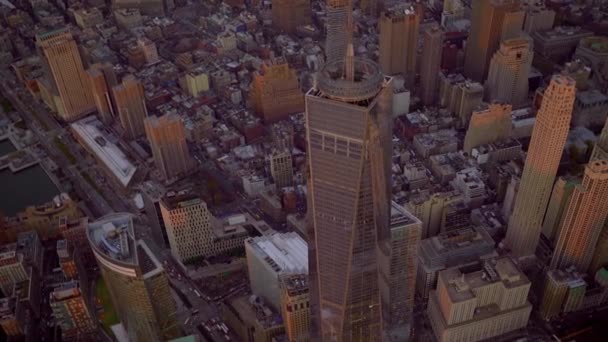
(113,236)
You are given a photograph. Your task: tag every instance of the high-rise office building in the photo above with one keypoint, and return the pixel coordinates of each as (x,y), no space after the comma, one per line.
(584,219)
(406,230)
(399,28)
(190,229)
(479,301)
(295,307)
(339,12)
(188,225)
(509,70)
(69,303)
(102,79)
(167,138)
(491,22)
(489,124)
(544,154)
(281,168)
(275,91)
(430,64)
(287,15)
(348,121)
(135,278)
(560,197)
(131,106)
(66,74)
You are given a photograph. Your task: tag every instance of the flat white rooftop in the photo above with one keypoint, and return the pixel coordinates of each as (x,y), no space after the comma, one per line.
(287,250)
(89,133)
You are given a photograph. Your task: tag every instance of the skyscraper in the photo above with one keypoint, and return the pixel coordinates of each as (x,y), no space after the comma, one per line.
(429,66)
(135,278)
(545,151)
(167,138)
(348,118)
(406,230)
(558,204)
(336,41)
(131,106)
(275,91)
(584,219)
(491,22)
(66,74)
(509,70)
(287,15)
(399,27)
(102,79)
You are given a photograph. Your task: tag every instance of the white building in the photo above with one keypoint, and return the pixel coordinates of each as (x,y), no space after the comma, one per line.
(269,257)
(92,135)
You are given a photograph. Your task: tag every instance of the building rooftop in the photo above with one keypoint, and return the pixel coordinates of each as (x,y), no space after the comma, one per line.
(89,130)
(401,217)
(113,236)
(285,252)
(463,281)
(295,284)
(448,247)
(65,291)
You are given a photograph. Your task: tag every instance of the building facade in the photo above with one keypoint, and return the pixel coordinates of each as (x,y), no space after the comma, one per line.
(406,230)
(135,278)
(480,301)
(295,307)
(348,133)
(509,70)
(430,64)
(167,138)
(488,125)
(131,106)
(66,74)
(287,15)
(270,257)
(281,168)
(275,91)
(191,229)
(584,219)
(544,154)
(399,29)
(491,22)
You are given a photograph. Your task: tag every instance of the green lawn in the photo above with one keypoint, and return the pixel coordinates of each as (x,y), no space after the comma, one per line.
(108,317)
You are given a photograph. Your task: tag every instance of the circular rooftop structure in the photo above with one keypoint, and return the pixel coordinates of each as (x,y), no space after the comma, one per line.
(368,80)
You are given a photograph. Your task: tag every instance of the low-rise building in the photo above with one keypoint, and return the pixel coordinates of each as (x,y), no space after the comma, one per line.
(479,301)
(269,257)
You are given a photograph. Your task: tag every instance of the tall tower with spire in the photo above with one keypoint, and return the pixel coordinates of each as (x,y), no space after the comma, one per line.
(348,127)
